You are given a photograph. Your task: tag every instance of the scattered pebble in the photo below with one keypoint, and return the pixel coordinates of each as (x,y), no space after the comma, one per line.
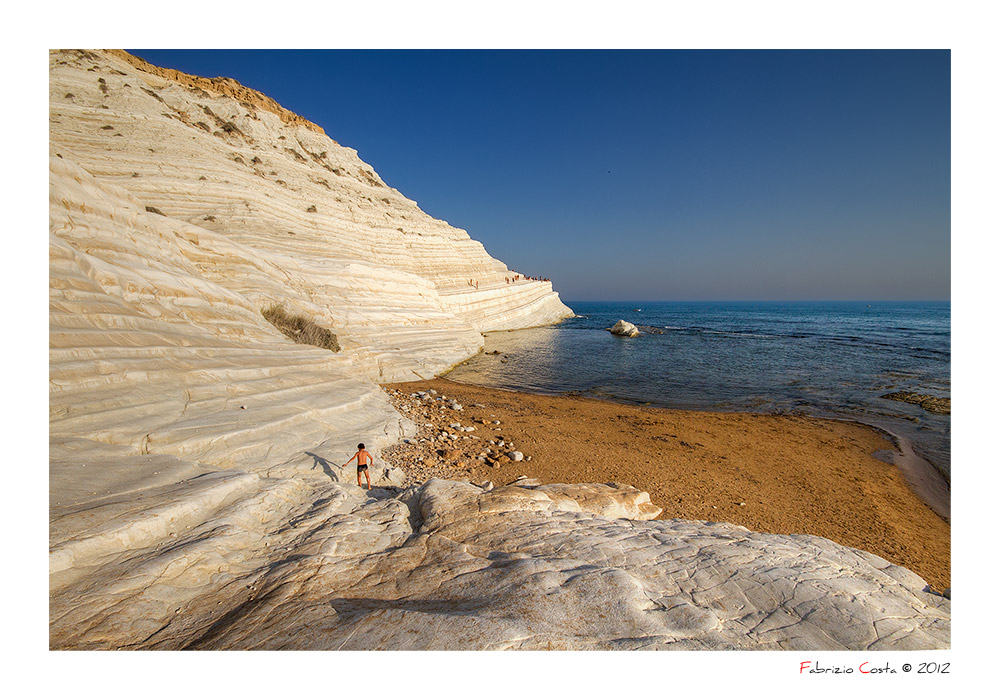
(421,456)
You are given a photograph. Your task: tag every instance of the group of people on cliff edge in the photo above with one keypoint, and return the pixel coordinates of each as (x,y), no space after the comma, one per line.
(515,278)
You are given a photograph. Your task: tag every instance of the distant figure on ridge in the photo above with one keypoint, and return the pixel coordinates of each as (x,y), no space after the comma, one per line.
(364,459)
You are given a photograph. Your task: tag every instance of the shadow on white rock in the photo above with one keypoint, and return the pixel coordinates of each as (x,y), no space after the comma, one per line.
(450,565)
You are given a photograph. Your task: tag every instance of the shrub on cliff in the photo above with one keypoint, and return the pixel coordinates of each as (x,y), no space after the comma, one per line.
(300,329)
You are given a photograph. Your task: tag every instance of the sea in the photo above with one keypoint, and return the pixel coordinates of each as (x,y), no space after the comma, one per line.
(822,359)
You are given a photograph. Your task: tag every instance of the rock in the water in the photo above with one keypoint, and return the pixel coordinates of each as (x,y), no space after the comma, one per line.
(931,404)
(624,328)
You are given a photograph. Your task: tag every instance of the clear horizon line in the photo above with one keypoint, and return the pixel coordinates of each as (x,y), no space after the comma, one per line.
(761,301)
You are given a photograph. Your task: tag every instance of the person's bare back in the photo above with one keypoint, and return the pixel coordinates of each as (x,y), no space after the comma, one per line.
(365,459)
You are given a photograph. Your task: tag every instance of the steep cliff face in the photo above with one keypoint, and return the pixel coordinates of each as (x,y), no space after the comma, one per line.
(180,208)
(196,498)
(347,244)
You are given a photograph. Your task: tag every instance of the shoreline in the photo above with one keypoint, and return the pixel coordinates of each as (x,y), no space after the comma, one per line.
(778,473)
(926,480)
(834,391)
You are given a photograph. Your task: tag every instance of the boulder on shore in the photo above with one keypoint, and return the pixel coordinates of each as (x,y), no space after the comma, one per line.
(624,328)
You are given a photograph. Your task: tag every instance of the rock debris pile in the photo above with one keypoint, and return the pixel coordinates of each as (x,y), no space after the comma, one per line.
(451,440)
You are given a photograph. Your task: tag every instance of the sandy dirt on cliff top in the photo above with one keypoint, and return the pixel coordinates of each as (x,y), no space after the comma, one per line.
(769,473)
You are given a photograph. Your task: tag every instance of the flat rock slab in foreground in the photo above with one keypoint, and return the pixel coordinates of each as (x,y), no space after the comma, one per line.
(449,565)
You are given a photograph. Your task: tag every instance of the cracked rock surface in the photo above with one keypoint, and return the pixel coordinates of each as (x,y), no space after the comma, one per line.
(450,565)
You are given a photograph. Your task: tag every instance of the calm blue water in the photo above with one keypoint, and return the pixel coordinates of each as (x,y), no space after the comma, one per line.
(830,359)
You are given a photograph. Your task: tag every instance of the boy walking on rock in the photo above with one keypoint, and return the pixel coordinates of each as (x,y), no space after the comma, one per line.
(364,458)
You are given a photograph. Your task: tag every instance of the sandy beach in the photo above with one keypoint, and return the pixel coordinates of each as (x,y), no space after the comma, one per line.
(769,473)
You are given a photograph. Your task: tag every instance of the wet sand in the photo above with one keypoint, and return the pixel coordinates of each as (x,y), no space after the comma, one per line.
(769,473)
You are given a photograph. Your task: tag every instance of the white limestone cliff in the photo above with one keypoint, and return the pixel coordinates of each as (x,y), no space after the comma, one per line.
(178,214)
(196,493)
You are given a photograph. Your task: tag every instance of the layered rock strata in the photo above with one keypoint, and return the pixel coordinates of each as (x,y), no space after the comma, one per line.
(179,210)
(197,498)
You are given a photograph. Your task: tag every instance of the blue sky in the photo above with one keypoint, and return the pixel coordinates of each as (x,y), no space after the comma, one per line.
(645,175)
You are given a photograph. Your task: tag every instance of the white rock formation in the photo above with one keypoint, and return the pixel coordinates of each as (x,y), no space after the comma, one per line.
(624,328)
(196,493)
(156,333)
(449,565)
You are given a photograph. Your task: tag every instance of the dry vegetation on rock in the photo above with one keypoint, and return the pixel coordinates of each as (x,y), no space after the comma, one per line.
(300,329)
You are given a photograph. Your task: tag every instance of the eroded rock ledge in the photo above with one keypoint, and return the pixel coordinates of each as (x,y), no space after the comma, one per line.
(223,86)
(452,565)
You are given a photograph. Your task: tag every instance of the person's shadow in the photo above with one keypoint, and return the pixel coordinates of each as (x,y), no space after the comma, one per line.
(320,462)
